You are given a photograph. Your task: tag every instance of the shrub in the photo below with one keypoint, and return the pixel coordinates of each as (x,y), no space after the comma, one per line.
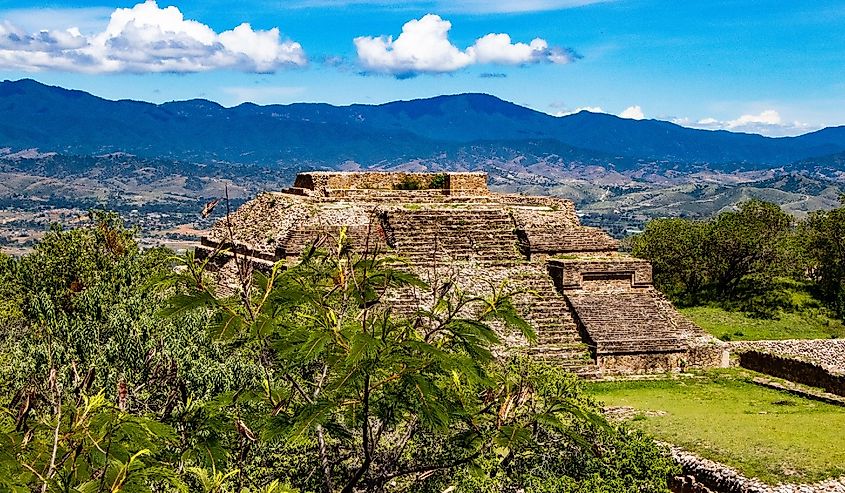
(421,182)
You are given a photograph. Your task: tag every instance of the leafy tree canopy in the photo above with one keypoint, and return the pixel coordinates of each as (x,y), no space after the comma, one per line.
(753,259)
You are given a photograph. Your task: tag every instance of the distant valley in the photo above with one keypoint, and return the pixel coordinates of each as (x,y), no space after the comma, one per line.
(63,152)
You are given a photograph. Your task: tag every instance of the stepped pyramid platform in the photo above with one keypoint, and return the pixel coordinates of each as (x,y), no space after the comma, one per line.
(594,309)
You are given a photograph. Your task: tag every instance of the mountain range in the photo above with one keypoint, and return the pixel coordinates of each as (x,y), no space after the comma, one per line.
(457,131)
(63,152)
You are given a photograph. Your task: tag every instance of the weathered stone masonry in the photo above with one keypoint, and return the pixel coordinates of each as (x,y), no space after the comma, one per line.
(594,310)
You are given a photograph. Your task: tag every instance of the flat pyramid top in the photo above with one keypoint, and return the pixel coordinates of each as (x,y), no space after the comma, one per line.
(323,183)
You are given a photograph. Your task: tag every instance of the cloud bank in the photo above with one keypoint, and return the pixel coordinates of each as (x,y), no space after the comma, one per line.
(147,38)
(767,122)
(424,47)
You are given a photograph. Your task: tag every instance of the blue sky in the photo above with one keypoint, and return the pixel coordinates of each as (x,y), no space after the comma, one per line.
(771,67)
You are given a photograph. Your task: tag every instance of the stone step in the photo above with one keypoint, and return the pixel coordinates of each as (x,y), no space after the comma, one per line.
(563,339)
(546,310)
(577,346)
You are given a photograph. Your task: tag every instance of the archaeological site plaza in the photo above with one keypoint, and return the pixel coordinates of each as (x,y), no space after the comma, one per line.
(594,309)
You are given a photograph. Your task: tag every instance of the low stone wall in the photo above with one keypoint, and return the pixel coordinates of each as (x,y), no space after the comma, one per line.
(827,353)
(794,370)
(707,353)
(705,476)
(555,203)
(635,364)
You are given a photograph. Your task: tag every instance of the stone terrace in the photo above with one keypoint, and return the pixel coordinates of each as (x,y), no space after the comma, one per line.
(428,235)
(619,323)
(630,326)
(450,222)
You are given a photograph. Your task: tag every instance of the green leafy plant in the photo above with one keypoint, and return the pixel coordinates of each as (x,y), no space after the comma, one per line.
(131,370)
(104,396)
(82,443)
(379,397)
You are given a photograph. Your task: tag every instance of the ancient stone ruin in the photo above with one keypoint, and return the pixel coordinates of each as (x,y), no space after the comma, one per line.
(595,310)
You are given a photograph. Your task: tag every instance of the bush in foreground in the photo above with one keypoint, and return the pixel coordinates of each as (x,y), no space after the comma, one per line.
(304,377)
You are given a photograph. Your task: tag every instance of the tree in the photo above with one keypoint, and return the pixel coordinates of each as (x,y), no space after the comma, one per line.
(586,457)
(310,376)
(86,363)
(85,444)
(675,248)
(746,242)
(823,238)
(378,399)
(735,259)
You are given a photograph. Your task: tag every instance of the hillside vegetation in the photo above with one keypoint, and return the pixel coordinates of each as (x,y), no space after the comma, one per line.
(163,196)
(63,152)
(124,370)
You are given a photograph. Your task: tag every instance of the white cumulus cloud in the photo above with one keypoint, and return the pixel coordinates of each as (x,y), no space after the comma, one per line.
(148,38)
(424,47)
(767,117)
(632,113)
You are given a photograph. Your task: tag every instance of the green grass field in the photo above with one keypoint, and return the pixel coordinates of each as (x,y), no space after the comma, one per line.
(736,326)
(770,435)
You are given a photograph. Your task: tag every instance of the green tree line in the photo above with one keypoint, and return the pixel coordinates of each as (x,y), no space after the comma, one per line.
(749,259)
(125,369)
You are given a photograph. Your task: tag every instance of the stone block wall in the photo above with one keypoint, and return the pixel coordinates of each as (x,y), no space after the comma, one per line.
(311,181)
(467,183)
(794,370)
(557,230)
(588,273)
(628,364)
(428,236)
(694,357)
(827,353)
(702,475)
(431,195)
(555,203)
(324,183)
(586,239)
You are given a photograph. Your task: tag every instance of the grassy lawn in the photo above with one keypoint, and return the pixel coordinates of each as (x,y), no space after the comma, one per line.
(736,326)
(763,433)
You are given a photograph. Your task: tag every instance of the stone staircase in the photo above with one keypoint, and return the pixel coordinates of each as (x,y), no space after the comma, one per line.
(558,339)
(453,238)
(429,236)
(626,322)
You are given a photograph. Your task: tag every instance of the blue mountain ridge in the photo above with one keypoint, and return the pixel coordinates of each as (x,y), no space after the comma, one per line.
(465,126)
